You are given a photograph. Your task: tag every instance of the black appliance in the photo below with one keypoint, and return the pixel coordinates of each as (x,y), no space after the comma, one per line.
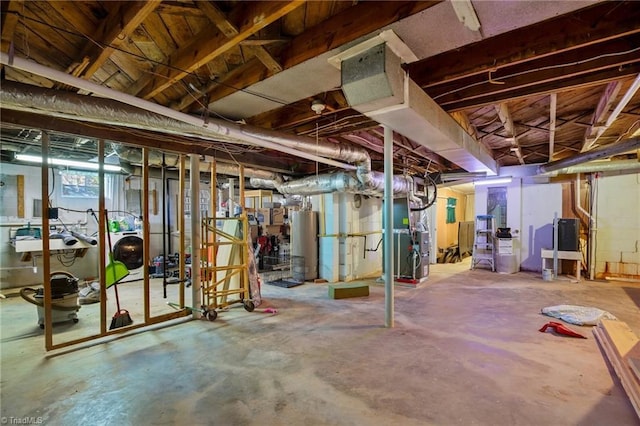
(568,235)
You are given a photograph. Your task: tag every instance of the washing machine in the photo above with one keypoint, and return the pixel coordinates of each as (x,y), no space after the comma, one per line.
(128,249)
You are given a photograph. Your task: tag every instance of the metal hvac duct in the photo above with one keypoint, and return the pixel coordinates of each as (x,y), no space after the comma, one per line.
(137,113)
(340,182)
(212,128)
(375,85)
(607,151)
(627,166)
(24,97)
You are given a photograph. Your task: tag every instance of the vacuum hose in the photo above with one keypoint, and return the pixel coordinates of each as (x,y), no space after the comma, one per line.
(25,294)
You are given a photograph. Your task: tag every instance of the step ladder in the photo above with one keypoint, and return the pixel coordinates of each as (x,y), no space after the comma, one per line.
(483,244)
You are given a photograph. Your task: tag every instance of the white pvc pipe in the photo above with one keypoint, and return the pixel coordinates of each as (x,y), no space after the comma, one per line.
(591,235)
(230,129)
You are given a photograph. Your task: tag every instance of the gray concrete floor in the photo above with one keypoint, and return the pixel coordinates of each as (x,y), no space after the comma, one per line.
(465,350)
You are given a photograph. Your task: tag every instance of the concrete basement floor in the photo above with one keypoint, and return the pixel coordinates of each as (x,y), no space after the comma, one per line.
(465,350)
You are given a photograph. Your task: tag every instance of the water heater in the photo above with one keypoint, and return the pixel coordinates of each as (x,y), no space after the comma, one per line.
(304,243)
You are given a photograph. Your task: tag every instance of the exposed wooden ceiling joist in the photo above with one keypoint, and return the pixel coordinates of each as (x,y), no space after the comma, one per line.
(604,21)
(346,26)
(10,19)
(613,54)
(553,107)
(602,110)
(123,19)
(210,43)
(512,135)
(545,88)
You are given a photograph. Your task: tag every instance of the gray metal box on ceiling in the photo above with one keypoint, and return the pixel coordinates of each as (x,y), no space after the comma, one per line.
(373,77)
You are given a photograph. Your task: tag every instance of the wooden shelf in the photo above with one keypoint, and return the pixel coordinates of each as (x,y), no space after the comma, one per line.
(563,255)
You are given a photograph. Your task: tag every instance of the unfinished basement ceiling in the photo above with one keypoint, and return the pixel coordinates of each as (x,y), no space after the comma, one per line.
(536,82)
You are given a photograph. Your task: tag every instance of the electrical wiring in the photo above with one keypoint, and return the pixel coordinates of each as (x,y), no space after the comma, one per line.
(336,125)
(53,182)
(116,48)
(67,258)
(548,67)
(429,203)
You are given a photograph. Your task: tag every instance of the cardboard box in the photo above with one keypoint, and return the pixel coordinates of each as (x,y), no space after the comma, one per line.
(253,230)
(264,216)
(277,216)
(272,229)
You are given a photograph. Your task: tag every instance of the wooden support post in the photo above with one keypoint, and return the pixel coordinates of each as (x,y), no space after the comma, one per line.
(146,232)
(20,184)
(46,260)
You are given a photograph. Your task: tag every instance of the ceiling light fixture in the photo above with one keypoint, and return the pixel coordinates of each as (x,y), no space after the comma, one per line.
(492,181)
(318,106)
(68,163)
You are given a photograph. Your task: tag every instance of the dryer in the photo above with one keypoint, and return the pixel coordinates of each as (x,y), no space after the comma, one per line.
(128,249)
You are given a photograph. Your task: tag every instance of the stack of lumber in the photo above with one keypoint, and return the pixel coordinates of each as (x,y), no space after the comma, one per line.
(622,348)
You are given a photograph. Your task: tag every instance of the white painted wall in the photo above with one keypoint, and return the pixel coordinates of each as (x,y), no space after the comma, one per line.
(526,214)
(15,273)
(539,203)
(327,206)
(618,226)
(369,220)
(342,255)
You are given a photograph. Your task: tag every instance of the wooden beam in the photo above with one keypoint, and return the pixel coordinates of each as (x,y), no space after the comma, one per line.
(267,60)
(419,150)
(218,18)
(300,112)
(114,31)
(507,122)
(462,119)
(75,70)
(20,190)
(211,42)
(155,140)
(553,102)
(585,27)
(346,26)
(10,18)
(599,115)
(262,41)
(542,88)
(179,9)
(555,68)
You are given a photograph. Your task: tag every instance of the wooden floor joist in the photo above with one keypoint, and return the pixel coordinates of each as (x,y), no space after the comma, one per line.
(621,347)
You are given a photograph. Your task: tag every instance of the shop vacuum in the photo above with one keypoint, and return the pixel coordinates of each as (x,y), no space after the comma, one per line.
(64,298)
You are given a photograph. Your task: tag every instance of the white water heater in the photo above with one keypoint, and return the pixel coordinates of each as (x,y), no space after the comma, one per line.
(304,243)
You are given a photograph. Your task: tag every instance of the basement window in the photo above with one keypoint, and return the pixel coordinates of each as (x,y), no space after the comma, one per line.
(497,205)
(81,184)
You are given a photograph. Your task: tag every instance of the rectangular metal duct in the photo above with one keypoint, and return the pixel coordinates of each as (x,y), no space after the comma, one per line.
(375,84)
(373,78)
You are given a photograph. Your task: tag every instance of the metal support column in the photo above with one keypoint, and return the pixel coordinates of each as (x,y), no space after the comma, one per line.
(388,226)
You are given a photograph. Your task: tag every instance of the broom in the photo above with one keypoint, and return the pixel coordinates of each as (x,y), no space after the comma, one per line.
(116,271)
